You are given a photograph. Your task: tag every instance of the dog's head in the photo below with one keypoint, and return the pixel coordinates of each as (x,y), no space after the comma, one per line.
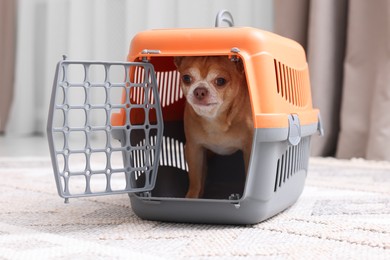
(210,83)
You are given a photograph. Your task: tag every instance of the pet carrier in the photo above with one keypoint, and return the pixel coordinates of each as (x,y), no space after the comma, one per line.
(117,127)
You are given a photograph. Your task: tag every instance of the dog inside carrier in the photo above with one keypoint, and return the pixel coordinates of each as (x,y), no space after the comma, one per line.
(225,173)
(118,127)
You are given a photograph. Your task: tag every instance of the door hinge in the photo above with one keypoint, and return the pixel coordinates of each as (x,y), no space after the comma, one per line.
(294,129)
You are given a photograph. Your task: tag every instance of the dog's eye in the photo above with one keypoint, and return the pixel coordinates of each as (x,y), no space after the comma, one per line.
(220,82)
(186,79)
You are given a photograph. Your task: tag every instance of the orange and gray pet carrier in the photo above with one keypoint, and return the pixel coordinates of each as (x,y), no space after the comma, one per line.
(117,127)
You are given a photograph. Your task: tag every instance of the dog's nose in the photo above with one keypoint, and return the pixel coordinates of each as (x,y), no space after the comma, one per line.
(200,92)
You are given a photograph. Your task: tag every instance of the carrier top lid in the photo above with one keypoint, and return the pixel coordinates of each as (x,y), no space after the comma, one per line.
(218,41)
(276,68)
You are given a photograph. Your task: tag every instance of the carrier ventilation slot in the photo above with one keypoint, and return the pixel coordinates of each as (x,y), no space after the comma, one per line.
(172,150)
(291,84)
(293,160)
(172,154)
(168,87)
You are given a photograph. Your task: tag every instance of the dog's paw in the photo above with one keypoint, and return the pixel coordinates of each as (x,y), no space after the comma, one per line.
(192,194)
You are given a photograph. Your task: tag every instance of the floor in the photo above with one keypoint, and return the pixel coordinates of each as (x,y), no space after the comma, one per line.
(23,146)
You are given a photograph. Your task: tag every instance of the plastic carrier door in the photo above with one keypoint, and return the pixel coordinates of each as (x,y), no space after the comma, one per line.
(104,128)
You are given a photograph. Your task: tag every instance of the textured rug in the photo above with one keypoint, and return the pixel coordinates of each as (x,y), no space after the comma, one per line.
(344,212)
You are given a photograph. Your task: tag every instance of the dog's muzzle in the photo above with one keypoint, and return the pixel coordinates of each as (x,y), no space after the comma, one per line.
(200,93)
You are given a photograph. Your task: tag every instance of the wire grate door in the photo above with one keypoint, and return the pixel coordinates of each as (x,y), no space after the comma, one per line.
(102,140)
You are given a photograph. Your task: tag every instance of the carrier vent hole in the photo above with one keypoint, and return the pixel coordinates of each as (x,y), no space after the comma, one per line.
(117,73)
(77,162)
(61,162)
(118,181)
(135,136)
(171,92)
(60,96)
(76,118)
(152,116)
(97,139)
(59,118)
(115,94)
(116,161)
(293,160)
(97,117)
(96,73)
(137,116)
(59,141)
(291,84)
(137,95)
(98,182)
(74,72)
(76,184)
(77,140)
(168,83)
(97,95)
(98,161)
(172,154)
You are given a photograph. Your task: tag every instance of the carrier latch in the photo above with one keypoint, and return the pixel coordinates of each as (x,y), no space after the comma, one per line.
(235,198)
(294,129)
(148,52)
(320,127)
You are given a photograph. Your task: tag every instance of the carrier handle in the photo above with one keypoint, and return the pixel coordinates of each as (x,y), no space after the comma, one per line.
(224,16)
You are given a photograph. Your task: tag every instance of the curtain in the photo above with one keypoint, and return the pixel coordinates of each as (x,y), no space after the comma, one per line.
(98,30)
(7,57)
(347,44)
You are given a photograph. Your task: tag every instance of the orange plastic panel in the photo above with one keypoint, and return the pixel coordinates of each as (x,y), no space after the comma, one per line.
(276,68)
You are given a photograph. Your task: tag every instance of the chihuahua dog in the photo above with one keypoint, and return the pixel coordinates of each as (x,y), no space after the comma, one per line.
(217,115)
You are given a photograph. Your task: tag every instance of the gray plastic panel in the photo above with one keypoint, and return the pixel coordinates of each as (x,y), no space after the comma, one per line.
(275,180)
(86,155)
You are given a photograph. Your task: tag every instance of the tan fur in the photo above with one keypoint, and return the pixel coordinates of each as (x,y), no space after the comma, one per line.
(221,121)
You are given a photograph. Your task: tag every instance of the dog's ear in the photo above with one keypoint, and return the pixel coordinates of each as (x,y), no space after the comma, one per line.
(177,61)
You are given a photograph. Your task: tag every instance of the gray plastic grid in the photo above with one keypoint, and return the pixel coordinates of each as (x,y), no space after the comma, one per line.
(87,158)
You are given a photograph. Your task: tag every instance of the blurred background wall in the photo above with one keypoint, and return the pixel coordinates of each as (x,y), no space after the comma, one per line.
(346,41)
(97,30)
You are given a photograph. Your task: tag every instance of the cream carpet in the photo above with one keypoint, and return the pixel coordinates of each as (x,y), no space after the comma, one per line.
(344,212)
